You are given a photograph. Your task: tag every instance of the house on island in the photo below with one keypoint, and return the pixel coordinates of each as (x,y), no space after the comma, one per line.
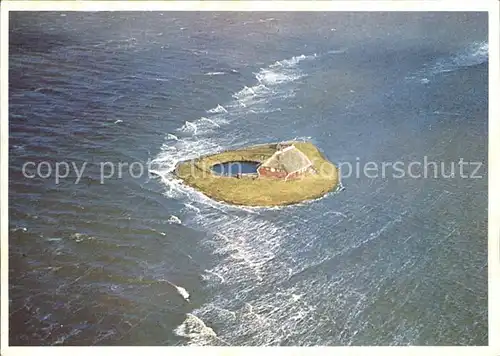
(287,162)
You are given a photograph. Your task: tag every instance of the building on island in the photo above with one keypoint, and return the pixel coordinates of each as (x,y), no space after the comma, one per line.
(287,162)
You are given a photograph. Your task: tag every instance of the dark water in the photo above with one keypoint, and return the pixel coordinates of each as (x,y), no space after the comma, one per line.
(108,254)
(235,168)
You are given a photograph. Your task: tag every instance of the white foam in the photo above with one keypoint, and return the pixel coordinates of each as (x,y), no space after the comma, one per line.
(171,154)
(180,290)
(172,137)
(337,51)
(222,280)
(189,127)
(284,71)
(78,237)
(51,239)
(210,121)
(253,95)
(245,92)
(267,20)
(264,110)
(271,77)
(475,54)
(302,138)
(183,292)
(268,319)
(249,241)
(292,62)
(203,125)
(174,220)
(197,332)
(215,73)
(192,207)
(218,109)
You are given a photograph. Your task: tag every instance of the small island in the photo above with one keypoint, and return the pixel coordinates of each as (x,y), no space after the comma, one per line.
(263,175)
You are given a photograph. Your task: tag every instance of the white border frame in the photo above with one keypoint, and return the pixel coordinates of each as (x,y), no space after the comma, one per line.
(490,6)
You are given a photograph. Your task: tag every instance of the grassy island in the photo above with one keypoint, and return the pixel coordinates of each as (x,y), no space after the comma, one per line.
(314,181)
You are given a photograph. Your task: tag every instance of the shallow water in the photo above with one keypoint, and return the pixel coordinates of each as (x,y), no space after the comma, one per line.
(126,256)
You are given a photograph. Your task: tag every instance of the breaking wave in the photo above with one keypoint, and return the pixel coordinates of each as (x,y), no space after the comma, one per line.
(271,80)
(218,109)
(475,54)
